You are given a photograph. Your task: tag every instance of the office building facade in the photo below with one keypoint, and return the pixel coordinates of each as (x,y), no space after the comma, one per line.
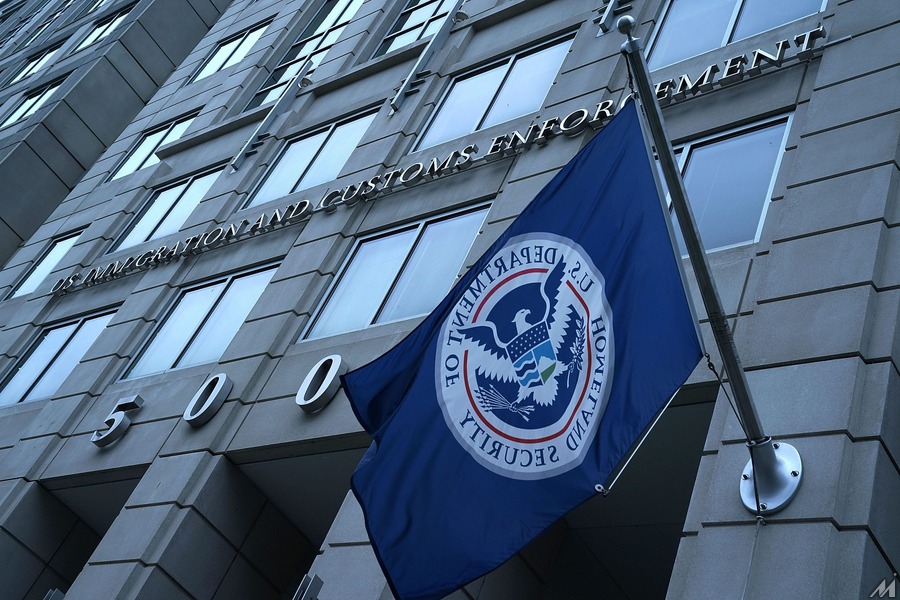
(309,182)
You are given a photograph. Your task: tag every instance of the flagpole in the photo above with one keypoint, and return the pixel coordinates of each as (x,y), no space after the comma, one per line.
(772,476)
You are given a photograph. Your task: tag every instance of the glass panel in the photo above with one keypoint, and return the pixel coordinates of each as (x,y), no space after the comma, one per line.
(691,27)
(218,59)
(289,168)
(177,331)
(334,154)
(728,185)
(363,284)
(43,268)
(142,155)
(30,371)
(42,99)
(176,131)
(527,85)
(156,211)
(18,113)
(244,48)
(226,319)
(185,205)
(400,41)
(69,358)
(463,108)
(432,267)
(759,15)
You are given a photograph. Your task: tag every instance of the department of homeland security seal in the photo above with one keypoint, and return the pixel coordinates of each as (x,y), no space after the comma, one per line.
(525,359)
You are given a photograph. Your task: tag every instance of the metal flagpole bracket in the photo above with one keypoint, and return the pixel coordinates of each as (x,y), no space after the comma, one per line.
(291,91)
(420,70)
(776,470)
(773,475)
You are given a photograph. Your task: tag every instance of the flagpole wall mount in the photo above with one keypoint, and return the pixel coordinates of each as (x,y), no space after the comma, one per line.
(776,470)
(773,474)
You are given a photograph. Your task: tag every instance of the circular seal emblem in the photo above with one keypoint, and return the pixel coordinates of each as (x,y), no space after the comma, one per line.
(525,359)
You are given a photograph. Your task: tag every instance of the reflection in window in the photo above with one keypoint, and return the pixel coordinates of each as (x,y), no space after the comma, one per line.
(168,209)
(400,275)
(514,88)
(729,181)
(144,154)
(30,104)
(312,160)
(202,324)
(314,42)
(691,27)
(420,19)
(101,30)
(45,265)
(36,62)
(231,51)
(51,360)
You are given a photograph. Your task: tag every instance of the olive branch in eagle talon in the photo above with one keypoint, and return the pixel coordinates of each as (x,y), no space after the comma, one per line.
(533,357)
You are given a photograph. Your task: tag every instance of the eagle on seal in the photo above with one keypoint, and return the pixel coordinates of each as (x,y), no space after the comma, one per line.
(533,357)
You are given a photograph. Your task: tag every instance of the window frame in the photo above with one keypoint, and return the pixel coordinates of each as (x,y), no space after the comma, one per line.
(393,33)
(40,95)
(340,23)
(242,36)
(105,26)
(38,262)
(683,152)
(148,202)
(330,129)
(727,36)
(35,345)
(36,62)
(228,279)
(507,63)
(420,225)
(167,127)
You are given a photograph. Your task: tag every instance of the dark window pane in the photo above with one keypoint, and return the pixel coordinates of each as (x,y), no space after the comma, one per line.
(363,284)
(176,332)
(527,84)
(225,320)
(760,15)
(728,184)
(432,267)
(691,27)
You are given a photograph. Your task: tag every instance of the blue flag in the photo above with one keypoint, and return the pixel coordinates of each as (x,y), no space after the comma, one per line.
(531,381)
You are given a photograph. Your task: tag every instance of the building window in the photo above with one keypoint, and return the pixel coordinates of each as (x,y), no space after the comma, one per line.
(168,209)
(202,324)
(400,275)
(96,5)
(30,104)
(45,265)
(312,160)
(692,27)
(101,30)
(420,19)
(729,181)
(144,154)
(51,360)
(513,88)
(47,22)
(314,42)
(36,63)
(231,51)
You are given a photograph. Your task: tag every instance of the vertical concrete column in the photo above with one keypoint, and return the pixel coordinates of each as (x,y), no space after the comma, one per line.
(195,528)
